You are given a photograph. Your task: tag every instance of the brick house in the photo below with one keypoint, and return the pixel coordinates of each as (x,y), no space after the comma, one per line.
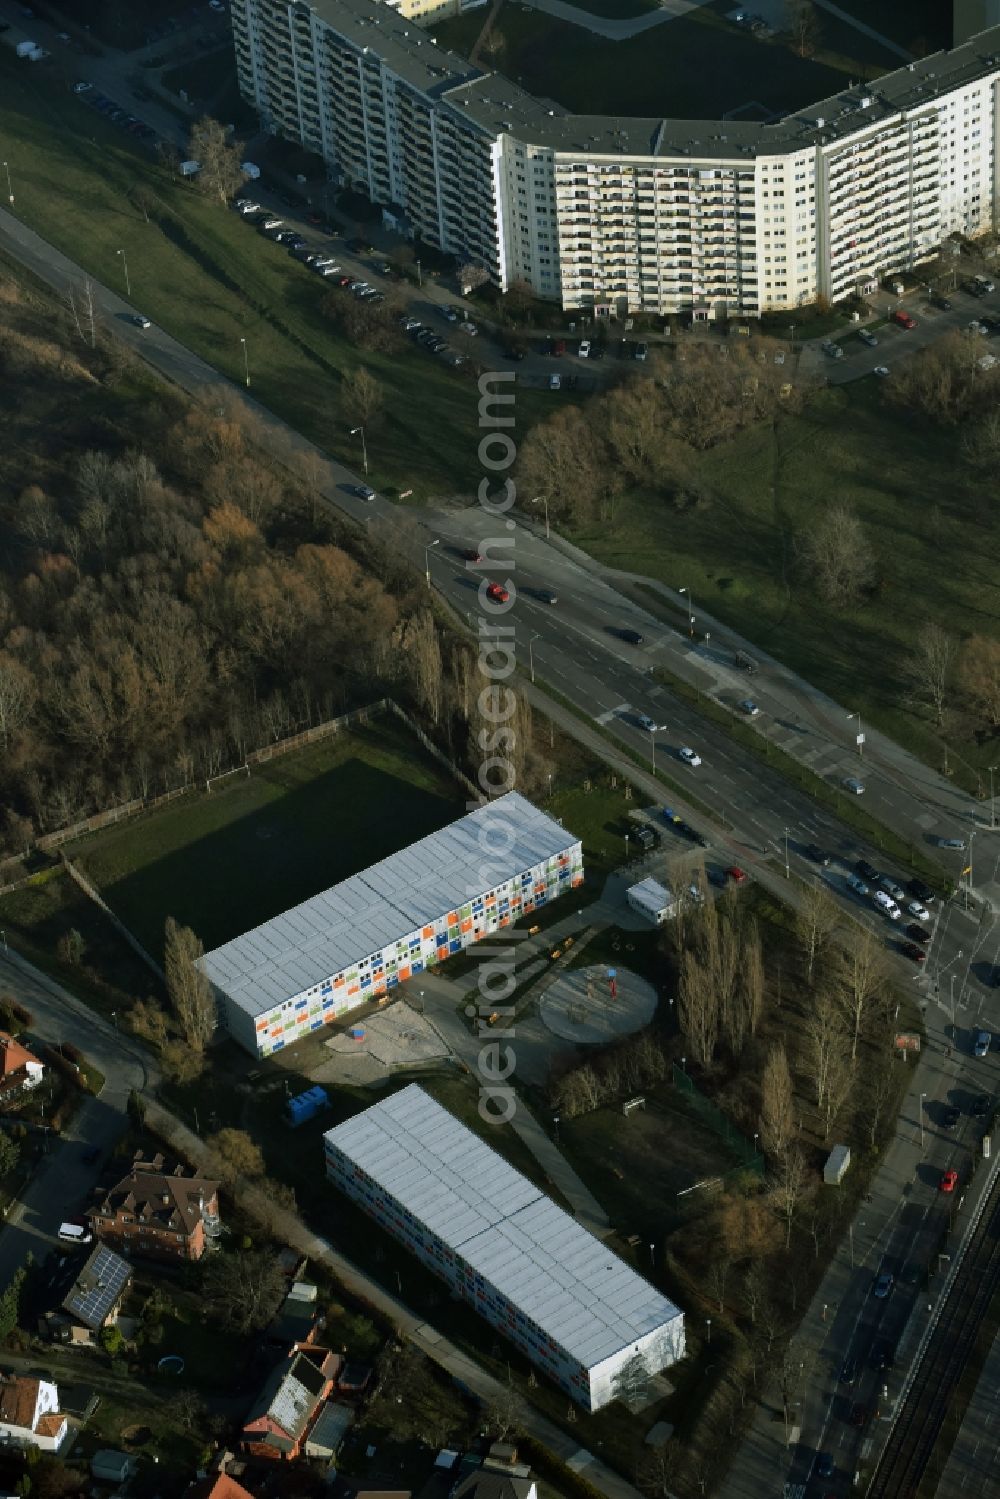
(159,1213)
(30,1414)
(20,1071)
(289,1404)
(217,1485)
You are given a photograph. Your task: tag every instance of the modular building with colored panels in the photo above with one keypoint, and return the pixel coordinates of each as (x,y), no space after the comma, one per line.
(356,941)
(577,1311)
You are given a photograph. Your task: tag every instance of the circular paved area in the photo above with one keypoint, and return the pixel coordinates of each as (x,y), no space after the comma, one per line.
(578,1005)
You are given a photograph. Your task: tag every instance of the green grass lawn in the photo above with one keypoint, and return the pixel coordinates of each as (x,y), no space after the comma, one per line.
(659,72)
(933,534)
(226,861)
(204,275)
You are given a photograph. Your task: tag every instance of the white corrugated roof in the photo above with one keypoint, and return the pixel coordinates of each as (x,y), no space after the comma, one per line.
(652,891)
(570,1284)
(363,914)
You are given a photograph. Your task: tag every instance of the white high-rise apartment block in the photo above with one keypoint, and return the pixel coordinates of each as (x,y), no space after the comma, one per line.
(623,214)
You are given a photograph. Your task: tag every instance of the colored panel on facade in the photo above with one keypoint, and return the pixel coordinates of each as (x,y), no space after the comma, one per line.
(404,973)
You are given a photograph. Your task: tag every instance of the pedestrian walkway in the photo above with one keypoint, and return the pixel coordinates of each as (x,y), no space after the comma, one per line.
(610,28)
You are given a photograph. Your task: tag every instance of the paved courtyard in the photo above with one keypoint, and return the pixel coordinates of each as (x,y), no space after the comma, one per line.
(588,1007)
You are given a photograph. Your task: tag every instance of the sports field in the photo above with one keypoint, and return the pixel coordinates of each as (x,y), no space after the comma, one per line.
(225,861)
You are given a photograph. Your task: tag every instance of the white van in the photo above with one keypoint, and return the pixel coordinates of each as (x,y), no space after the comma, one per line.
(887,905)
(74,1233)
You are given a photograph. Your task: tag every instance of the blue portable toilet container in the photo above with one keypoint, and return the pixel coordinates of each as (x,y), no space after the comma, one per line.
(306,1106)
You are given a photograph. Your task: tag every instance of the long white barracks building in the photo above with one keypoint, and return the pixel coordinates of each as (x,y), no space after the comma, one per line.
(356,941)
(618,213)
(577,1311)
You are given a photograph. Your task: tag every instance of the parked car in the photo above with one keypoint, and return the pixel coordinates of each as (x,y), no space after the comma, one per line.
(949,1181)
(890,887)
(816,854)
(867,337)
(913,952)
(950,1117)
(450,314)
(584,349)
(867,871)
(981,1043)
(887,905)
(941,303)
(918,909)
(470,329)
(735,875)
(857,884)
(904,319)
(917,933)
(919,890)
(555,382)
(980,1107)
(881,371)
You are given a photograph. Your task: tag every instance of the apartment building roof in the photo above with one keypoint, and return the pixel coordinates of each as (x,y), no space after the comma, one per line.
(499,106)
(160,1199)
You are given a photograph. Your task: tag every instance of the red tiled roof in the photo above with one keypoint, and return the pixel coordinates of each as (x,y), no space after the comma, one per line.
(50,1425)
(18,1400)
(217,1486)
(13,1056)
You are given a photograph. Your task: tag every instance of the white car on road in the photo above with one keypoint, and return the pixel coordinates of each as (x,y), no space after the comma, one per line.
(914,908)
(887,905)
(689,756)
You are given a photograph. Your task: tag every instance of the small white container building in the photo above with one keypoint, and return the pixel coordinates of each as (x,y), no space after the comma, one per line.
(577,1311)
(652,900)
(356,941)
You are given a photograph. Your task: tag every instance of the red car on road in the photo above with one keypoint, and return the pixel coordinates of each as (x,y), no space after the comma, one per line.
(497,593)
(949,1181)
(904,320)
(736,874)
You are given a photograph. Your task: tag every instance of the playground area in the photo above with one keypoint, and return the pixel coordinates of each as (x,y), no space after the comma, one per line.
(594,1005)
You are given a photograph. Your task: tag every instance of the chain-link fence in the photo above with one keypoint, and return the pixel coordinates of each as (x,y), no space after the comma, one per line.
(750,1158)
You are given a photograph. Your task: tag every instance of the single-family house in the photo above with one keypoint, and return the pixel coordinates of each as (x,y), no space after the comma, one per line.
(87,1297)
(20,1070)
(488,1483)
(30,1414)
(159,1212)
(287,1407)
(218,1485)
(110,1466)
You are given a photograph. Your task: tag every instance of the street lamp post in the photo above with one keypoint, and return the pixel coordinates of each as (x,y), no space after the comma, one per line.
(555,1125)
(246,362)
(993,805)
(420,278)
(652,741)
(128,287)
(531,654)
(10,190)
(861,733)
(708,1330)
(922,1097)
(427,558)
(543,499)
(788,873)
(364,447)
(690,604)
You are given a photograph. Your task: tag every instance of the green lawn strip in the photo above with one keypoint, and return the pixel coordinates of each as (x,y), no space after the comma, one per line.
(930,530)
(204,275)
(843,805)
(227,860)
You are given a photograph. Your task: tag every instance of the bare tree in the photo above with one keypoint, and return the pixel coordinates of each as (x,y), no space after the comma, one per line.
(777,1110)
(878,1096)
(471,276)
(815,921)
(423,649)
(221,174)
(825,1036)
(698,1009)
(18,694)
(233,1154)
(787,1187)
(362,397)
(931,667)
(979,677)
(838,556)
(718,1275)
(754,1290)
(803,26)
(840,1080)
(188,989)
(244,1289)
(861,979)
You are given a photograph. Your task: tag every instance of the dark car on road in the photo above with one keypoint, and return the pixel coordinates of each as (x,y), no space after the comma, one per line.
(884,1283)
(860,1415)
(980,1107)
(883,1356)
(848,1371)
(913,952)
(814,852)
(917,932)
(632,637)
(867,871)
(919,890)
(950,1117)
(823,1466)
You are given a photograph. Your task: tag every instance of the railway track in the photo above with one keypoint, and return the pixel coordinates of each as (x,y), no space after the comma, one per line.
(918,1423)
